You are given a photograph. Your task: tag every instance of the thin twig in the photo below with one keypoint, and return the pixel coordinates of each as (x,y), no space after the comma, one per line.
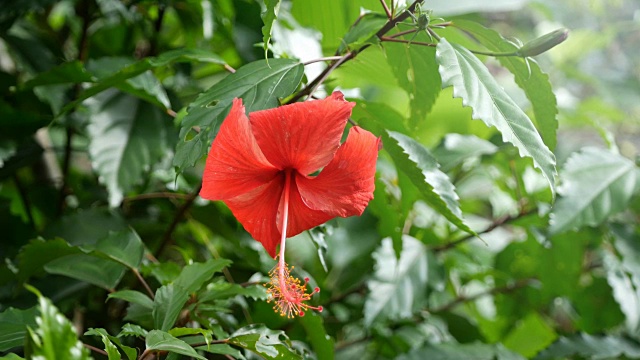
(166,238)
(157,195)
(401,33)
(171,113)
(460,299)
(144,283)
(390,39)
(95,349)
(496,223)
(229,68)
(386,9)
(328,58)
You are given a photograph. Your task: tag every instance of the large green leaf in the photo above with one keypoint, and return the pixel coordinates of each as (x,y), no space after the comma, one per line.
(456,149)
(269,15)
(398,287)
(270,344)
(452,351)
(527,75)
(65,73)
(124,247)
(127,137)
(321,343)
(421,168)
(193,276)
(54,337)
(13,327)
(363,32)
(595,185)
(84,228)
(259,84)
(162,341)
(110,343)
(139,67)
(531,335)
(168,303)
(132,296)
(416,70)
(92,269)
(473,82)
(591,347)
(37,253)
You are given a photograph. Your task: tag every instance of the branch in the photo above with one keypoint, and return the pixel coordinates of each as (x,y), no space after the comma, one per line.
(498,290)
(386,9)
(157,195)
(157,26)
(390,39)
(144,283)
(496,223)
(95,349)
(166,238)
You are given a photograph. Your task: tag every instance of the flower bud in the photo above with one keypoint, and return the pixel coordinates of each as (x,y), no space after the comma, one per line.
(543,43)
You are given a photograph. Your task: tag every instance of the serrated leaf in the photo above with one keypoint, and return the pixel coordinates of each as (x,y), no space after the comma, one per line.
(85,228)
(13,326)
(455,149)
(591,347)
(127,136)
(193,276)
(270,344)
(132,330)
(168,303)
(363,32)
(416,70)
(132,296)
(139,67)
(626,289)
(132,354)
(54,337)
(162,341)
(269,15)
(109,347)
(206,334)
(595,185)
(92,269)
(421,168)
(125,247)
(259,84)
(474,84)
(398,286)
(528,76)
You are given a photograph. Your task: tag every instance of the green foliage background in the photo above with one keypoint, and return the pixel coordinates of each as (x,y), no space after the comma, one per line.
(515,236)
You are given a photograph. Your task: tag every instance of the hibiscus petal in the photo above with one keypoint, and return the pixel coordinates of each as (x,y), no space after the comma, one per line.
(345,186)
(303,136)
(301,217)
(257,211)
(235,164)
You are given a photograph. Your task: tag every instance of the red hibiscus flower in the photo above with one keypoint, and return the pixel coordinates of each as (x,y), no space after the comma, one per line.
(262,167)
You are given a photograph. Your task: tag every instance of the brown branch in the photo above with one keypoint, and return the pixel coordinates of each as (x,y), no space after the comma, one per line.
(166,238)
(386,9)
(496,223)
(95,349)
(144,283)
(460,299)
(390,39)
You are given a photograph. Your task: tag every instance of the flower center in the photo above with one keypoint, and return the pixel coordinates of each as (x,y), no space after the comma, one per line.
(287,292)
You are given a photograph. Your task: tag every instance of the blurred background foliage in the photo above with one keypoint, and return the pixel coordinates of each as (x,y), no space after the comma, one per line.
(91,202)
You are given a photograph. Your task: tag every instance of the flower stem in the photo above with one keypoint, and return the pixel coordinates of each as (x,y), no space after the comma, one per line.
(283,229)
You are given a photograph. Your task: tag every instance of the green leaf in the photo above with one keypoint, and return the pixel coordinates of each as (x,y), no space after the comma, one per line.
(591,347)
(54,338)
(85,228)
(109,341)
(162,341)
(595,185)
(68,72)
(473,82)
(168,303)
(124,247)
(363,32)
(270,344)
(127,137)
(224,290)
(626,289)
(39,252)
(92,269)
(132,296)
(531,335)
(527,75)
(415,68)
(206,334)
(11,356)
(452,351)
(269,15)
(321,343)
(13,327)
(109,347)
(259,84)
(137,68)
(416,162)
(193,276)
(132,330)
(399,286)
(456,149)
